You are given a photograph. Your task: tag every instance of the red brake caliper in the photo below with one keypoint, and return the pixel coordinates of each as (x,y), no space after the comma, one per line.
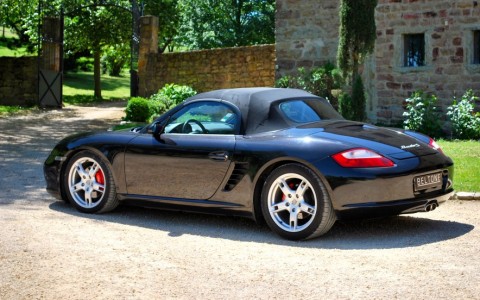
(99,177)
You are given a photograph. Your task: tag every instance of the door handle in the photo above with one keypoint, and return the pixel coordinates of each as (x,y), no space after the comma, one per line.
(219,155)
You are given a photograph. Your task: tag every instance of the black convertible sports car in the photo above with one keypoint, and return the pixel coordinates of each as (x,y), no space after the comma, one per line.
(280,155)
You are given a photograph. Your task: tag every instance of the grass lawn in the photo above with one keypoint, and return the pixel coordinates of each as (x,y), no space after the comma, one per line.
(8,110)
(6,52)
(466,156)
(78,89)
(76,85)
(11,51)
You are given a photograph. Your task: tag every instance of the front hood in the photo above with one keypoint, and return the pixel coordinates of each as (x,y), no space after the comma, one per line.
(387,141)
(97,138)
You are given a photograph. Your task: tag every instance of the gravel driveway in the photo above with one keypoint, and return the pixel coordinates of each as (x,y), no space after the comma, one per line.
(50,251)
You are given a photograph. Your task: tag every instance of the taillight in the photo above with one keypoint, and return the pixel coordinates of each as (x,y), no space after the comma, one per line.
(434,145)
(362,158)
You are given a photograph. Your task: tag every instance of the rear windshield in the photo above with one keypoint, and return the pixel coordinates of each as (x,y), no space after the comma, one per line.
(308,111)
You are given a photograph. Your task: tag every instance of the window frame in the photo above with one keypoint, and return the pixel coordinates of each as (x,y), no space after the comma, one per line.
(410,40)
(476,47)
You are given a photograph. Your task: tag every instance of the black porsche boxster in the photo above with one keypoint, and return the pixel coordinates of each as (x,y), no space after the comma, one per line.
(280,155)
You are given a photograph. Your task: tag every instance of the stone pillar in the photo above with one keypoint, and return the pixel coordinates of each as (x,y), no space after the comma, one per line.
(148,50)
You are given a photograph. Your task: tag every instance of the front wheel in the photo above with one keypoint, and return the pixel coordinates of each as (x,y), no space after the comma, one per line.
(89,183)
(296,204)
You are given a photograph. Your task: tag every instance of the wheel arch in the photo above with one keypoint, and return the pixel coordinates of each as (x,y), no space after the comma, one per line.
(70,154)
(267,168)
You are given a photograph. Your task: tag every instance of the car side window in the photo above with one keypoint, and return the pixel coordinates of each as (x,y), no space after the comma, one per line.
(299,111)
(203,118)
(308,111)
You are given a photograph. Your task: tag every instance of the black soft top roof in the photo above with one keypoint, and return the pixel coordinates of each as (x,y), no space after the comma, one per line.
(253,103)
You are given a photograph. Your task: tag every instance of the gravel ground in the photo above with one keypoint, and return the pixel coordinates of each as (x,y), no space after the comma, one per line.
(50,251)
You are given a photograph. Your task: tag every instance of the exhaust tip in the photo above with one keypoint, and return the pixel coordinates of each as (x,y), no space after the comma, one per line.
(431,206)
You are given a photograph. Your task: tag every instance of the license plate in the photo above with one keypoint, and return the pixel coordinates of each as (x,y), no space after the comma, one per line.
(427,181)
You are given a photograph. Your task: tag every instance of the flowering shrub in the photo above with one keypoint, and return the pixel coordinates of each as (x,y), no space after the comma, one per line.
(422,114)
(465,122)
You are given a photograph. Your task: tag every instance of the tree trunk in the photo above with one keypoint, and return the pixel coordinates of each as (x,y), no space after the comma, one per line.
(97,73)
(238,6)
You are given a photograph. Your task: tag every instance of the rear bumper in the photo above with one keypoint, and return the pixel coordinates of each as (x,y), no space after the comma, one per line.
(381,209)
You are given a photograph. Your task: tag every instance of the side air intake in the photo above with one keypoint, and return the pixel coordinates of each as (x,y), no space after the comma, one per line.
(237,174)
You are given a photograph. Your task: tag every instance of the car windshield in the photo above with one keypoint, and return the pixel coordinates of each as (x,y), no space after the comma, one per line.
(308,111)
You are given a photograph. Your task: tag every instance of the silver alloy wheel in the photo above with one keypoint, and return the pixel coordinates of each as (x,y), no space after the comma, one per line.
(292,202)
(86,182)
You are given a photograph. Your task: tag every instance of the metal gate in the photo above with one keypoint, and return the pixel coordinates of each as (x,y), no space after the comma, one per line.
(50,63)
(50,49)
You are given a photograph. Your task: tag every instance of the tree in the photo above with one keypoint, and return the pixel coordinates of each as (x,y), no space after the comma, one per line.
(218,23)
(169,19)
(358,100)
(14,13)
(89,26)
(357,40)
(357,34)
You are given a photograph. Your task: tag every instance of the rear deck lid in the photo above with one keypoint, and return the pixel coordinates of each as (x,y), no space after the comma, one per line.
(387,141)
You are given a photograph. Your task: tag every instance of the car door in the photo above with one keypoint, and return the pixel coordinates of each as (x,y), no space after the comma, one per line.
(189,159)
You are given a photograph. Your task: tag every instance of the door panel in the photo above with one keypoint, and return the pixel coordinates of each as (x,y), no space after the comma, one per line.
(187,166)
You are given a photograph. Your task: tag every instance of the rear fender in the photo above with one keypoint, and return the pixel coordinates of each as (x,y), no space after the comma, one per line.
(267,168)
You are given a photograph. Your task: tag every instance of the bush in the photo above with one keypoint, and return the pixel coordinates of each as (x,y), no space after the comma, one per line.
(174,94)
(422,114)
(138,110)
(145,110)
(84,64)
(156,108)
(465,122)
(358,100)
(319,81)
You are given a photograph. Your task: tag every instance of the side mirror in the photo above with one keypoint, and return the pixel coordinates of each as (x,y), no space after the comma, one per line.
(157,129)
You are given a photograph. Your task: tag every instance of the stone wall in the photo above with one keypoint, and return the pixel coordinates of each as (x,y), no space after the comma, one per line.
(209,69)
(18,80)
(307,35)
(449,70)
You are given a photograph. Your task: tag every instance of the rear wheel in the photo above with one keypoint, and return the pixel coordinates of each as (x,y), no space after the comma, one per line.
(89,183)
(295,203)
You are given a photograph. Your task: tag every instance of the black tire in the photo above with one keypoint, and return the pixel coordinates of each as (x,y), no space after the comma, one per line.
(89,184)
(296,204)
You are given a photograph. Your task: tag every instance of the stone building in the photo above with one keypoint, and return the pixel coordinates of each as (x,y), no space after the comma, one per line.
(429,45)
